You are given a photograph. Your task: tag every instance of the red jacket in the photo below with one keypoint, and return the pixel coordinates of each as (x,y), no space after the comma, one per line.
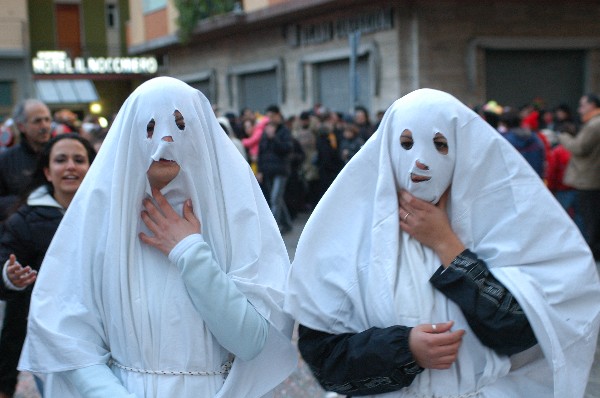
(557,160)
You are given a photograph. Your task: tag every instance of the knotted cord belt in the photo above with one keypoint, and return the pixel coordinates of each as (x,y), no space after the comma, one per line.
(225,368)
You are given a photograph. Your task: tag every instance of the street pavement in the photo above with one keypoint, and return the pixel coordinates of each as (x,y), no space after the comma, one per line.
(301,383)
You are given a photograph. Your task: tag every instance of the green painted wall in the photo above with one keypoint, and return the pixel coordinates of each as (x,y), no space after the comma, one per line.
(93,22)
(94,28)
(124,13)
(41,25)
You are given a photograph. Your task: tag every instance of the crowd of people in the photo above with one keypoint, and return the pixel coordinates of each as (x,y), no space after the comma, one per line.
(314,145)
(298,164)
(160,212)
(563,149)
(296,158)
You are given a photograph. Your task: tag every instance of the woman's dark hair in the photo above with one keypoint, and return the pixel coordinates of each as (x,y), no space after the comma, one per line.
(363,110)
(38,178)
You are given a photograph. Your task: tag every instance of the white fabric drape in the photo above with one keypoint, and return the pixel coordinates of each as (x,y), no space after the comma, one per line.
(354,269)
(102,293)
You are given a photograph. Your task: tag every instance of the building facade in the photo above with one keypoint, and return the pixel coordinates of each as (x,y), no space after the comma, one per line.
(71,54)
(14,62)
(341,53)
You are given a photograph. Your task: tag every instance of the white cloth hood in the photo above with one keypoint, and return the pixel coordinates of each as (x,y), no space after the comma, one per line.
(89,280)
(341,279)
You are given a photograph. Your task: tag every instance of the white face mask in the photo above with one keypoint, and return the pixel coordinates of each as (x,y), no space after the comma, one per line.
(426,162)
(165,133)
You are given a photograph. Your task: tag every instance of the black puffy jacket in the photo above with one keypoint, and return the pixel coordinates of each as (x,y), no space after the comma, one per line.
(27,234)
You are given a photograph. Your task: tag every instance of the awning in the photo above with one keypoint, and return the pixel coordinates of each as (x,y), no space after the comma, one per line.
(66,91)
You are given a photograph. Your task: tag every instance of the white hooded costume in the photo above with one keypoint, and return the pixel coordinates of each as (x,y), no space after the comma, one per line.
(355,269)
(103,295)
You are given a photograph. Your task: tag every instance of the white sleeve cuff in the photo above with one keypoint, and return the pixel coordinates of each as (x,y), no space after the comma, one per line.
(183,245)
(9,285)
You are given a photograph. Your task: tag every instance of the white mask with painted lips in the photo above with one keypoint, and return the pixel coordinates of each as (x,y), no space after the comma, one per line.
(425,168)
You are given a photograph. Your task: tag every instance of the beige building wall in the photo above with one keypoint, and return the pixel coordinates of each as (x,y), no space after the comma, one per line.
(436,44)
(14,51)
(13,24)
(452,39)
(142,28)
(269,45)
(135,25)
(253,5)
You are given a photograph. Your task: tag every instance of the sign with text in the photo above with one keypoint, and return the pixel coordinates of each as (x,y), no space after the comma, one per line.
(57,62)
(340,27)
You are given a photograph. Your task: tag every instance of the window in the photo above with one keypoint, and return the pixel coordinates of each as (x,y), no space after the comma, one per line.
(111,16)
(153,5)
(257,90)
(564,68)
(256,85)
(6,96)
(330,78)
(332,84)
(205,81)
(68,29)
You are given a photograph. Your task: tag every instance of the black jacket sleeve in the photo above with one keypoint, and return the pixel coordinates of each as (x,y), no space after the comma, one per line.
(15,239)
(374,361)
(377,361)
(490,309)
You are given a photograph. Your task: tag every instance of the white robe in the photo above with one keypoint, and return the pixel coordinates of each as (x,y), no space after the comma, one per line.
(104,294)
(354,269)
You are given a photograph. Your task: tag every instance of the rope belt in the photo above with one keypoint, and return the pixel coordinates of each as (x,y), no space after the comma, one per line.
(225,368)
(467,395)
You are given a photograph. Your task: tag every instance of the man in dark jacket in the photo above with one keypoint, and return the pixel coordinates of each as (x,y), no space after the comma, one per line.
(525,141)
(33,120)
(274,165)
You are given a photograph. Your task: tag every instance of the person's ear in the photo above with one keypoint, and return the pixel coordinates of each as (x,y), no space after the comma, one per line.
(47,174)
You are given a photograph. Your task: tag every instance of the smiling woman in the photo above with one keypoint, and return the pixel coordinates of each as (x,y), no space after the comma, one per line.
(62,165)
(69,162)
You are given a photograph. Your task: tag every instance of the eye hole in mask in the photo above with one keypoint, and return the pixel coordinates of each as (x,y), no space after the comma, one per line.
(441,143)
(406,140)
(179,120)
(150,129)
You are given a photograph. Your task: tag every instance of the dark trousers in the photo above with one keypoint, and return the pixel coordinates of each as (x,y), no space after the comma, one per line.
(274,189)
(589,205)
(11,342)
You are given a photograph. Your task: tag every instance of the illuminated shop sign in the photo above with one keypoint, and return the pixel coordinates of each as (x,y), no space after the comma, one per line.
(57,62)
